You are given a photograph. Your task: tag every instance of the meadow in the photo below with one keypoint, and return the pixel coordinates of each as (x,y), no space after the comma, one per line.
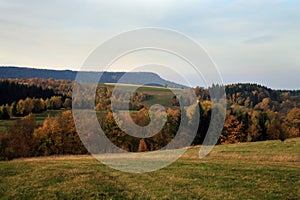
(158,95)
(257,170)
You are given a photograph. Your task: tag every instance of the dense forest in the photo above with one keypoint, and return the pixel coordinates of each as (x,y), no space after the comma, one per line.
(20,98)
(254,113)
(11,91)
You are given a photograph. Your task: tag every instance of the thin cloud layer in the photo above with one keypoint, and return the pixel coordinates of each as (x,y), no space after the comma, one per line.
(244,38)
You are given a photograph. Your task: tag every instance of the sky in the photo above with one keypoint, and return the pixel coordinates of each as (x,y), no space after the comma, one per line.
(249,41)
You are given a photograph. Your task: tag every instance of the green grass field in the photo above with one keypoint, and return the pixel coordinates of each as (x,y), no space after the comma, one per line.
(260,170)
(159,95)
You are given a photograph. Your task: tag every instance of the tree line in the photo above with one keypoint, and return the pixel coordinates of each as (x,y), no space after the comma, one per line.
(11,91)
(254,113)
(57,135)
(20,97)
(27,106)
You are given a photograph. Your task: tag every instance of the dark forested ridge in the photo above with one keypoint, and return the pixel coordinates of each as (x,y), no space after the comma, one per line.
(22,72)
(139,78)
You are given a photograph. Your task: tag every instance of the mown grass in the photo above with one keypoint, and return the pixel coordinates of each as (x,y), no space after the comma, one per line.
(158,95)
(260,170)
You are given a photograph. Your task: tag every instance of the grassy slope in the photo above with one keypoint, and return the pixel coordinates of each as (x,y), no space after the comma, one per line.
(261,170)
(159,95)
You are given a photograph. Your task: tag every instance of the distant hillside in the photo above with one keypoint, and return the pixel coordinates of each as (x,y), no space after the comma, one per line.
(262,98)
(138,78)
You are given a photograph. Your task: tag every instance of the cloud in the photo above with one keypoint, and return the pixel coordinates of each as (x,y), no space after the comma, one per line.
(237,34)
(259,39)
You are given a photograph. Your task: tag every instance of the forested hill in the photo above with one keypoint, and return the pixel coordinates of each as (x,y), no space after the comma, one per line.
(261,97)
(254,113)
(138,78)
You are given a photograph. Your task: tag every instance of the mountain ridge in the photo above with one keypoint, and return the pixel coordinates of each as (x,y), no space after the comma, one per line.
(139,78)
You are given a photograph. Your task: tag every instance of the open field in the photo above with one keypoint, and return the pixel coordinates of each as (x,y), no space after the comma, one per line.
(260,170)
(159,95)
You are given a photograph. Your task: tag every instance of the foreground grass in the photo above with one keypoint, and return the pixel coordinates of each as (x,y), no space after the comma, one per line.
(261,170)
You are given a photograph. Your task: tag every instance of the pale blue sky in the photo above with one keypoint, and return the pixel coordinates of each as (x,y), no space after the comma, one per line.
(250,41)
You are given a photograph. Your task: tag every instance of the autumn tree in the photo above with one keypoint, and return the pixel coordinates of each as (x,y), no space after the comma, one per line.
(38,105)
(142,118)
(168,131)
(114,133)
(233,131)
(56,102)
(4,112)
(142,145)
(58,135)
(5,148)
(24,107)
(67,103)
(275,129)
(21,140)
(293,122)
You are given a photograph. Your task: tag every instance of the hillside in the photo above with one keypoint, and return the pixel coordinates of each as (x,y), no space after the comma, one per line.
(254,113)
(138,78)
(259,170)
